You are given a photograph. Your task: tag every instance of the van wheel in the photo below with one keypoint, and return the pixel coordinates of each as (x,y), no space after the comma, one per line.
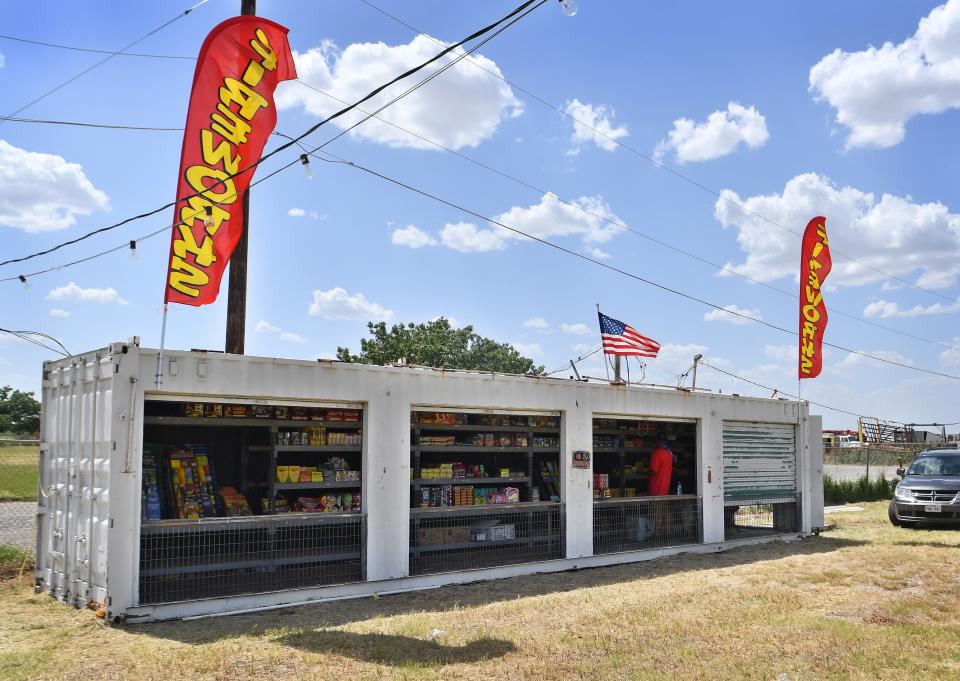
(892,515)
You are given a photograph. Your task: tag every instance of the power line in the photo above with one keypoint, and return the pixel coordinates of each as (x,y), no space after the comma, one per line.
(517,11)
(120,53)
(662,165)
(782,392)
(27,336)
(510,177)
(109,56)
(620,271)
(621,225)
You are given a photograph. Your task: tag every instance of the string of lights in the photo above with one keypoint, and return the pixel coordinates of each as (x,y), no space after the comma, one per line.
(663,166)
(336,159)
(521,9)
(110,55)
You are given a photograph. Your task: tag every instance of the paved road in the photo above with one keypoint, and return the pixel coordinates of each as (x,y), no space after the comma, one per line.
(855,472)
(16,523)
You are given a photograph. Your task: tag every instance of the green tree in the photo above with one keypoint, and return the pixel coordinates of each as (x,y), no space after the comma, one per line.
(437,344)
(19,412)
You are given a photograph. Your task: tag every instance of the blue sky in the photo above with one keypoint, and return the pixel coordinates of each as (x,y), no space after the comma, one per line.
(787,110)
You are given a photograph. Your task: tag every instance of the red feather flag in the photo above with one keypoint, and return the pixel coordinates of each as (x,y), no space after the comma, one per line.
(231,115)
(815,264)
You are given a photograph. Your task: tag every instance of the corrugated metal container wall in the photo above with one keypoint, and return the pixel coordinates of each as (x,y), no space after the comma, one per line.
(75,451)
(759,462)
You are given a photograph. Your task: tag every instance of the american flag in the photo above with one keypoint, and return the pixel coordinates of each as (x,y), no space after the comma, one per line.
(623,339)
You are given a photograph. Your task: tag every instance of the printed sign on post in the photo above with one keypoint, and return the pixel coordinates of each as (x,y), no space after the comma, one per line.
(581,459)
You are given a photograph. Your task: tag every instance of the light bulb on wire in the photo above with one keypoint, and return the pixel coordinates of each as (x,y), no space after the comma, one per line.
(132,255)
(307,170)
(570,7)
(207,219)
(26,284)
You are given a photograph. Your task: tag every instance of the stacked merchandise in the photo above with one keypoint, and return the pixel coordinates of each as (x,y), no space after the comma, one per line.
(547,442)
(152,505)
(259,411)
(437,440)
(549,480)
(343,415)
(190,482)
(467,495)
(501,440)
(438,418)
(346,502)
(314,437)
(347,439)
(601,486)
(606,441)
(234,503)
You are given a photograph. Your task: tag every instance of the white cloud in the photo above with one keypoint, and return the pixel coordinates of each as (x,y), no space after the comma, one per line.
(3,60)
(576,329)
(581,348)
(597,253)
(552,217)
(411,237)
(784,353)
(459,109)
(57,312)
(893,234)
(718,136)
(452,321)
(43,192)
(885,309)
(729,315)
(528,349)
(851,360)
(538,324)
(950,358)
(597,117)
(877,90)
(264,326)
(338,304)
(466,238)
(4,362)
(92,295)
(296,212)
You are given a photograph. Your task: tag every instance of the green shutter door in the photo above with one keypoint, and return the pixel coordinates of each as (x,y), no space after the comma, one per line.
(759,463)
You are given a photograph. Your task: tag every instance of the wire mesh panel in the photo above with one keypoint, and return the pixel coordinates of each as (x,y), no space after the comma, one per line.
(636,524)
(19,469)
(451,539)
(185,561)
(758,517)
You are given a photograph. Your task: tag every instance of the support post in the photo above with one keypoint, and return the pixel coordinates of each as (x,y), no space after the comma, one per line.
(237,292)
(616,369)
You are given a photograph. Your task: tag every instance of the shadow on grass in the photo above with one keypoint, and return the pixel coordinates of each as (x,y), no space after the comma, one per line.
(394,650)
(314,617)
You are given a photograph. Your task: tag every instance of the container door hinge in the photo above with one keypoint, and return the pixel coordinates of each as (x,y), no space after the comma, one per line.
(114,445)
(111,522)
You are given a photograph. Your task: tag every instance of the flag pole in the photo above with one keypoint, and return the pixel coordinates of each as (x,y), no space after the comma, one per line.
(606,362)
(163,338)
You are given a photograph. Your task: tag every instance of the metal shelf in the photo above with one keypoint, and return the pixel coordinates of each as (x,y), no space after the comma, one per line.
(319,448)
(224,421)
(249,522)
(473,449)
(419,482)
(485,508)
(186,566)
(331,484)
(470,428)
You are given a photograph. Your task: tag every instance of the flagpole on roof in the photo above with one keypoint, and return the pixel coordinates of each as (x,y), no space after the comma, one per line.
(606,362)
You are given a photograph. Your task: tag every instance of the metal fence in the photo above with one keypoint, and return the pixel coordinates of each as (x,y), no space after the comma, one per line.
(448,539)
(640,524)
(183,560)
(758,517)
(19,466)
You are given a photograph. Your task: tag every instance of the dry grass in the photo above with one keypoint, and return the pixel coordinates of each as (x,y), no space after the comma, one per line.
(866,601)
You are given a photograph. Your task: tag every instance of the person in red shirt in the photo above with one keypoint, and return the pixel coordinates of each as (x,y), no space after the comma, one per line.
(661,468)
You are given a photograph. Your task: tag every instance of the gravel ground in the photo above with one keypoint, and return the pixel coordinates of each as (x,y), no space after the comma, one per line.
(16,523)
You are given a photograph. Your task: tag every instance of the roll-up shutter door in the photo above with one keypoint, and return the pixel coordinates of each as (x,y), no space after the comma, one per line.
(759,463)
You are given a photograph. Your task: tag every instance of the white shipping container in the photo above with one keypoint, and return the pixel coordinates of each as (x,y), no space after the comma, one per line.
(92,545)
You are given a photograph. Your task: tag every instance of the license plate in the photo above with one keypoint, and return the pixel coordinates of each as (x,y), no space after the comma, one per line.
(932,508)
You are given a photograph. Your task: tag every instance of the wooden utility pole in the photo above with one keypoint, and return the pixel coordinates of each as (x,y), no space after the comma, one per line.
(237,291)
